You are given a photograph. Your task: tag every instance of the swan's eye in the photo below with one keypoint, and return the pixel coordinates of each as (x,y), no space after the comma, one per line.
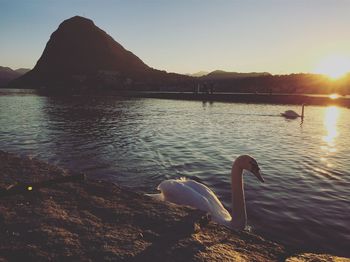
(255,166)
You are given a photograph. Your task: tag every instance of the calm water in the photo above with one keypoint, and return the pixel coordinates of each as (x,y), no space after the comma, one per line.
(304,203)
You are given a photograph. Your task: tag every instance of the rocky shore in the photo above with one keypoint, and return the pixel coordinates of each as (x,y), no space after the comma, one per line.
(90,220)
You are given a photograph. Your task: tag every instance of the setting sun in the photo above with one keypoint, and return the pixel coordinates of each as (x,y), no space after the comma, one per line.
(333,96)
(334,66)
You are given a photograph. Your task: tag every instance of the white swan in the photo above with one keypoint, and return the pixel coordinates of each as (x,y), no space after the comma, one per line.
(292,114)
(194,194)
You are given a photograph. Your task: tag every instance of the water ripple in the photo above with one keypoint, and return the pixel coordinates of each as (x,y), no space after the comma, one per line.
(140,142)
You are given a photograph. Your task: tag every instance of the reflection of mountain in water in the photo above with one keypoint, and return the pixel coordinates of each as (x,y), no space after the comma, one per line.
(77,124)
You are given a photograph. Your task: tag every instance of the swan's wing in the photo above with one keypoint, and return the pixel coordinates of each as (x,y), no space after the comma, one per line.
(194,194)
(290,113)
(217,210)
(156,196)
(177,192)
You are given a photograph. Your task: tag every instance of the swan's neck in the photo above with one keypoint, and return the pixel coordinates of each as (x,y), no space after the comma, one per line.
(239,213)
(302,111)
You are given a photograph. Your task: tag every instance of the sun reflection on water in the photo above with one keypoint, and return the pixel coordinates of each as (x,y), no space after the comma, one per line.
(334,96)
(330,124)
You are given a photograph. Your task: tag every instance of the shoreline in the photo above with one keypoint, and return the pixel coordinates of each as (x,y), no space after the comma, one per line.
(258,98)
(95,220)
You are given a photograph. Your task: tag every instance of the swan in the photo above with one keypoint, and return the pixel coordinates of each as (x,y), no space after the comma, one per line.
(292,114)
(191,193)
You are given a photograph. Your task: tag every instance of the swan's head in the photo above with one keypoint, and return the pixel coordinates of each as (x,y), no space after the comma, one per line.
(251,165)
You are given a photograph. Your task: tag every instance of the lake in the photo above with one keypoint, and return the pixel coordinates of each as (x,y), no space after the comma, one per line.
(304,202)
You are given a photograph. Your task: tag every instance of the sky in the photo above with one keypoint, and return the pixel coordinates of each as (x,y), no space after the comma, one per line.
(187,36)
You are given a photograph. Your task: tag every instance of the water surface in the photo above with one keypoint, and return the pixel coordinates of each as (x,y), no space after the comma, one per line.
(304,203)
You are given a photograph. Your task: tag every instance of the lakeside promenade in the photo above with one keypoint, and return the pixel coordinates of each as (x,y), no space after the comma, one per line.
(263,98)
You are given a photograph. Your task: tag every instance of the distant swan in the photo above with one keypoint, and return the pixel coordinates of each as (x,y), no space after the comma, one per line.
(292,114)
(191,193)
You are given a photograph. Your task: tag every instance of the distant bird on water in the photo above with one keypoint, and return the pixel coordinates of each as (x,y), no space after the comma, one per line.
(191,193)
(290,114)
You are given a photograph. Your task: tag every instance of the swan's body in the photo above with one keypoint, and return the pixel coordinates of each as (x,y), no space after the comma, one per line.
(191,193)
(292,114)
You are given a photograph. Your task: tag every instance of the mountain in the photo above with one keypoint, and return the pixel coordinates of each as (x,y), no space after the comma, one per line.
(220,74)
(22,70)
(199,74)
(79,55)
(7,74)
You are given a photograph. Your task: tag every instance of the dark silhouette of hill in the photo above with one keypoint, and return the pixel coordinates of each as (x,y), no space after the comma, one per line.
(220,74)
(79,55)
(292,83)
(199,74)
(7,74)
(22,70)
(264,82)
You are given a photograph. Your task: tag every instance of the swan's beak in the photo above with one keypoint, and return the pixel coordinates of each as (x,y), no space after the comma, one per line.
(258,174)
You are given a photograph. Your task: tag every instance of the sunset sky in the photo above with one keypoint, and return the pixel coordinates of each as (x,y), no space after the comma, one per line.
(187,36)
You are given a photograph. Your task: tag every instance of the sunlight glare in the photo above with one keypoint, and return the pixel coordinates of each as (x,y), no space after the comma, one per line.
(333,96)
(334,66)
(330,123)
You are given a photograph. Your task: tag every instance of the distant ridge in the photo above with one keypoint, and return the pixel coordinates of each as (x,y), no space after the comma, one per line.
(22,70)
(199,74)
(81,58)
(220,74)
(81,55)
(7,74)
